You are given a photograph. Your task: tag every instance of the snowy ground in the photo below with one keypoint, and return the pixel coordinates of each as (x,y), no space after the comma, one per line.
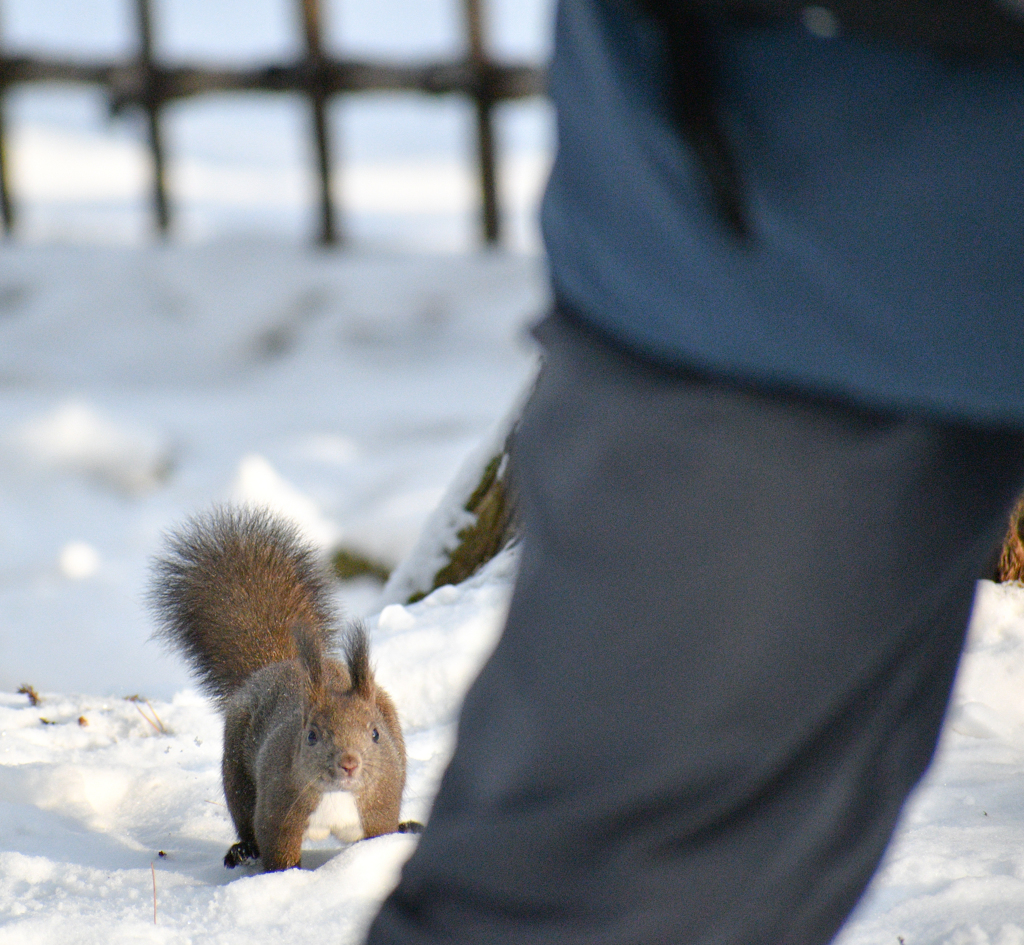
(112,820)
(139,384)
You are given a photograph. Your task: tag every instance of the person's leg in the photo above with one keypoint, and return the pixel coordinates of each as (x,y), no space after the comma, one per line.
(726,662)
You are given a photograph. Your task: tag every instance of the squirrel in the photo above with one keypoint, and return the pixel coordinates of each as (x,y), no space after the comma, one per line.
(312,745)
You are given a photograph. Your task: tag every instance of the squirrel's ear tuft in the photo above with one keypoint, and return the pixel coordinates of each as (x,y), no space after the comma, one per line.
(310,654)
(357,658)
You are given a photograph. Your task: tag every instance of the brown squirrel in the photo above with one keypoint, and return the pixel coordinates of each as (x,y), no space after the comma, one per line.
(312,745)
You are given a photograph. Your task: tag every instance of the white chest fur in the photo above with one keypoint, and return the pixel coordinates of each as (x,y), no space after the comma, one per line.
(336,814)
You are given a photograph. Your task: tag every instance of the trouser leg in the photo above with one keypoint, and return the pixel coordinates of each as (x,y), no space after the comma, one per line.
(726,662)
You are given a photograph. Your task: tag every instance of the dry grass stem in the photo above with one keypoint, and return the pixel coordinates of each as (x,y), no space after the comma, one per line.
(155,721)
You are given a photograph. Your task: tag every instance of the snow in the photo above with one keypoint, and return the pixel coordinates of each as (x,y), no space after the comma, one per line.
(415,574)
(355,391)
(342,389)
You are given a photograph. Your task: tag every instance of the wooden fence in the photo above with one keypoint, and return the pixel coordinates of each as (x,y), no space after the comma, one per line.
(145,83)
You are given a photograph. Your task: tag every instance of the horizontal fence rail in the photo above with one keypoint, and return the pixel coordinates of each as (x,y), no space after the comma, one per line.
(145,83)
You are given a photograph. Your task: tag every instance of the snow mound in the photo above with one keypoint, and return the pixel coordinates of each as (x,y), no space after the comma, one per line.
(257,483)
(440,535)
(76,438)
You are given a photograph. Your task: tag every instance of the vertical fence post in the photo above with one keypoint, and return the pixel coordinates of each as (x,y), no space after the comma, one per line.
(484,100)
(144,82)
(151,102)
(6,205)
(316,89)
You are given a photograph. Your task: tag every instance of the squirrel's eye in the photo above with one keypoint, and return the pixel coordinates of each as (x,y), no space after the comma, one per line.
(311,737)
(376,735)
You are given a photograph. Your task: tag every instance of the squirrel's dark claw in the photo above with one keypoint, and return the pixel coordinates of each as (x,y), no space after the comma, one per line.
(241,852)
(411,826)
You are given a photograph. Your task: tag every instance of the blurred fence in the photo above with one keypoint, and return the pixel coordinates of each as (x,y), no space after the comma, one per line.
(145,83)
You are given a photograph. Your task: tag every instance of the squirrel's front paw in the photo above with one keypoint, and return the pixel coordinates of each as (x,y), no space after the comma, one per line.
(241,852)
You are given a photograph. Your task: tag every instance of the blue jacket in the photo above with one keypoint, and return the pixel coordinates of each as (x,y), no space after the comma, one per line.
(884,191)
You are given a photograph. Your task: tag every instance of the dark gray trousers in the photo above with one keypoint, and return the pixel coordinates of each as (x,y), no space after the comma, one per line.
(727,659)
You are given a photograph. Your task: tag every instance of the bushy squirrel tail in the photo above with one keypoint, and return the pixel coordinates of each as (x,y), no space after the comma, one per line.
(238,589)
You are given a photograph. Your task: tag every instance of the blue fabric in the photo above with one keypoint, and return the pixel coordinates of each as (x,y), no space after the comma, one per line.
(886,192)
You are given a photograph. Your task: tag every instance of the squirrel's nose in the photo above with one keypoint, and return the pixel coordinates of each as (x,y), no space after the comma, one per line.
(349,763)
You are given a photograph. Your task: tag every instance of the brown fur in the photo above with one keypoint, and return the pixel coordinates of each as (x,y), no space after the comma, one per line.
(242,598)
